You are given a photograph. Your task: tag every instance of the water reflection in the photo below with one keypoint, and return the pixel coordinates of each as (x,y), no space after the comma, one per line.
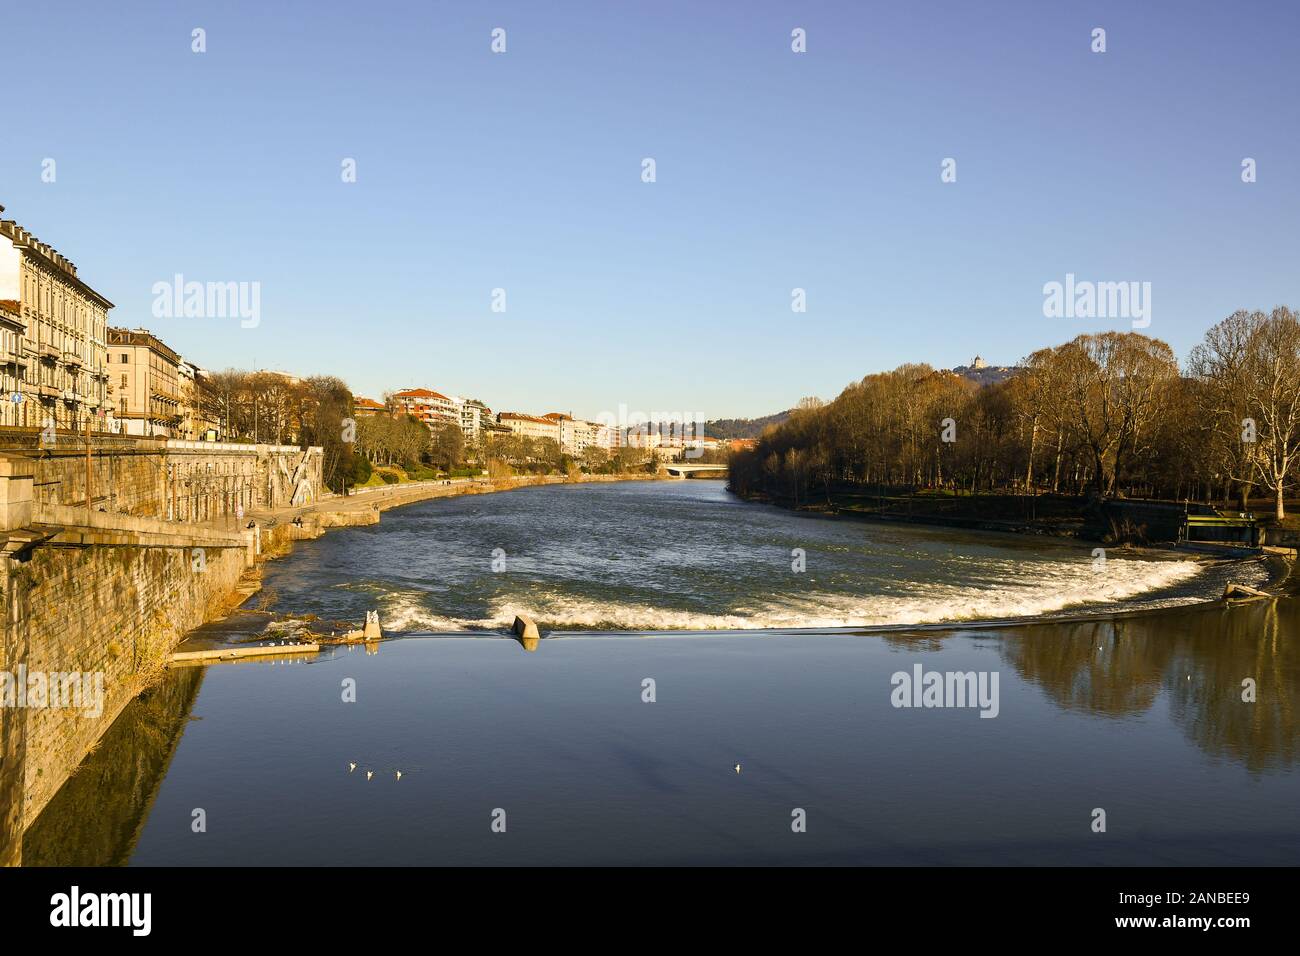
(96,817)
(1199,657)
(1095,698)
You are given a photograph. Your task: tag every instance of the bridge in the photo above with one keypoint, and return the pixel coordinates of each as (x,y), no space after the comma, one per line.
(679,469)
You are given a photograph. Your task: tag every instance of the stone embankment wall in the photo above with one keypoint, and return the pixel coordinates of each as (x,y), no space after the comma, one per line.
(175,480)
(116,611)
(101,595)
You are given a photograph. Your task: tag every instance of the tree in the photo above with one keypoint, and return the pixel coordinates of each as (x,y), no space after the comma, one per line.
(447,447)
(1221,368)
(1273,398)
(324,402)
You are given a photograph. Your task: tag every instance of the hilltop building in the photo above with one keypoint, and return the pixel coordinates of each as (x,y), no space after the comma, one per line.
(982,373)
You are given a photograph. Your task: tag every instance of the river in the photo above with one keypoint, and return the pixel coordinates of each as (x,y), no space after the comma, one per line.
(638,732)
(687,555)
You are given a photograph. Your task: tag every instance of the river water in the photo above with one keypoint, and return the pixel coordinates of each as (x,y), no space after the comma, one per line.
(688,555)
(608,745)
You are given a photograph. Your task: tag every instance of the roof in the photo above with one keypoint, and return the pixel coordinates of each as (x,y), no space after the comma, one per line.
(144,338)
(367,403)
(25,241)
(420,393)
(520,416)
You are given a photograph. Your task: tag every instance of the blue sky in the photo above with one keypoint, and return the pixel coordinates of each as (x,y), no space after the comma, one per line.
(775,170)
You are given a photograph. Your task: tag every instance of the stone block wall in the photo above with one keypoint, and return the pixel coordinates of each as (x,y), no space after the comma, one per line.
(122,481)
(201,482)
(118,611)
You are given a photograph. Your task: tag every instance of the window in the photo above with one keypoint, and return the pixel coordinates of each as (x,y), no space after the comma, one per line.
(124,381)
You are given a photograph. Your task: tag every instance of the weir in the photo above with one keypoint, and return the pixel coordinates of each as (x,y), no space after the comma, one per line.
(111,553)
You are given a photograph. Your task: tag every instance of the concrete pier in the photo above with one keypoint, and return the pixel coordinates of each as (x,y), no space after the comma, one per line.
(239,653)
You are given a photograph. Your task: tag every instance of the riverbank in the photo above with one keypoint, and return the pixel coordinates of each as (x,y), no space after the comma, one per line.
(1114,522)
(357,507)
(1052,516)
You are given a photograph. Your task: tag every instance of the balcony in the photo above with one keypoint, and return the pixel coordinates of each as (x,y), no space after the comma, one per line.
(48,391)
(14,357)
(48,353)
(72,360)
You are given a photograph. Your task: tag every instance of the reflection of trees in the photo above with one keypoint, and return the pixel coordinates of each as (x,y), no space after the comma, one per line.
(1117,667)
(1256,640)
(1105,667)
(95,818)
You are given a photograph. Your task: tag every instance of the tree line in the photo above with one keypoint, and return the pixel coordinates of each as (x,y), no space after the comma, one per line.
(397,439)
(1109,414)
(267,407)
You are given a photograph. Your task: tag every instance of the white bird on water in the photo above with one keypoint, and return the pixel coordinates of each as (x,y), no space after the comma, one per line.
(351,766)
(399,775)
(736,768)
(369,774)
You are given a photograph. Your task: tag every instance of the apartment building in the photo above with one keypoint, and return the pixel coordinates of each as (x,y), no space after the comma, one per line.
(530,426)
(367,407)
(13,360)
(494,429)
(145,375)
(52,346)
(576,435)
(473,416)
(667,439)
(195,424)
(432,408)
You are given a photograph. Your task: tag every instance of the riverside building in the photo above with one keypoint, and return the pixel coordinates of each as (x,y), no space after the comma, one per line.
(52,337)
(146,383)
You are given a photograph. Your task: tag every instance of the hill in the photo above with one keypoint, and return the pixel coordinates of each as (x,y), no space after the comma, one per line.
(742,427)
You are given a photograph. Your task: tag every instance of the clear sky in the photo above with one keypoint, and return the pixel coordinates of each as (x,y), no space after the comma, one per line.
(775,170)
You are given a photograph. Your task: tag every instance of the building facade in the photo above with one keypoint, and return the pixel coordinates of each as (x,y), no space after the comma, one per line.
(145,375)
(367,408)
(13,360)
(576,435)
(432,408)
(530,426)
(54,337)
(196,423)
(473,416)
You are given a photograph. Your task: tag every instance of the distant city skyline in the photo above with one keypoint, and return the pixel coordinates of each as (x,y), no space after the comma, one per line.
(775,171)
